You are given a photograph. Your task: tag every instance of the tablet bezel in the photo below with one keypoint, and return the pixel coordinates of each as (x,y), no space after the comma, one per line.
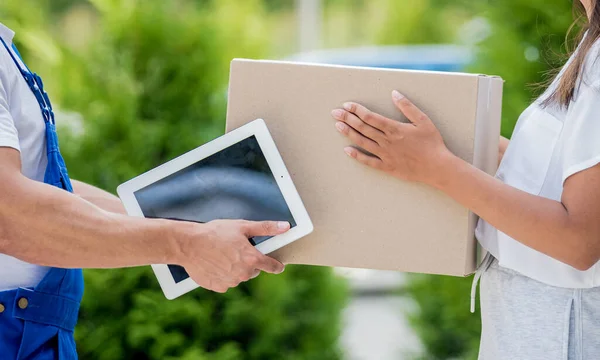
(257,128)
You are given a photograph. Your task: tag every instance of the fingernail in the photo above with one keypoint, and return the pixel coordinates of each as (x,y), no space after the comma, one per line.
(282,270)
(337,113)
(349,151)
(396,95)
(340,126)
(348,106)
(282,225)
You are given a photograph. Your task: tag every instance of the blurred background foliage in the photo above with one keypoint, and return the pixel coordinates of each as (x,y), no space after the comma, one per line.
(139,82)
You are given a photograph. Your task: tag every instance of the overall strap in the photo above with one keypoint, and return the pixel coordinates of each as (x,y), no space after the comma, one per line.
(55,300)
(34,82)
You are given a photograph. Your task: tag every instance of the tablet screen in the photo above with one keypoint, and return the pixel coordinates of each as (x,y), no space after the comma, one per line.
(235,183)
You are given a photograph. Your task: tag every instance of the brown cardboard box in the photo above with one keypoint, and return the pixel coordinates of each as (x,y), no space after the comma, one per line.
(364,218)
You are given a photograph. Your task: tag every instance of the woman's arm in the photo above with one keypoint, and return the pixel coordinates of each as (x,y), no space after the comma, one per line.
(502,145)
(98,197)
(568,231)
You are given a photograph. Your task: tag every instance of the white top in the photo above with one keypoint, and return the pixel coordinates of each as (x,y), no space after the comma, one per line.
(22,128)
(549,145)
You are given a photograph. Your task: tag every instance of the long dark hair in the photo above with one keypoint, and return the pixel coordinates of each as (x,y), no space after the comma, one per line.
(564,92)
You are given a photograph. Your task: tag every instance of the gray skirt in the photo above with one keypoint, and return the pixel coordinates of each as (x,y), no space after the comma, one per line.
(527,320)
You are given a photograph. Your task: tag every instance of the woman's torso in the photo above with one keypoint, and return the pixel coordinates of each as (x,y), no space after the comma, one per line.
(548,145)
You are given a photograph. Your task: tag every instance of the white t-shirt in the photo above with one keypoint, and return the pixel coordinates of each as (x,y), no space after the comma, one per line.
(549,145)
(22,128)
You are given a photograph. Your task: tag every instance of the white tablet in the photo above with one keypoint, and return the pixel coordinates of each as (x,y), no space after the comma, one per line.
(239,175)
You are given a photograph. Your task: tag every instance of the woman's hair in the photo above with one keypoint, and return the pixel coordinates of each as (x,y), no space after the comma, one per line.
(564,92)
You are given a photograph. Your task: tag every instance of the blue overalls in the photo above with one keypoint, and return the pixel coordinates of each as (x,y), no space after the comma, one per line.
(38,323)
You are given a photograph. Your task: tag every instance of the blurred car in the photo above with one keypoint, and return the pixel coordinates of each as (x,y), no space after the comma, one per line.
(451,58)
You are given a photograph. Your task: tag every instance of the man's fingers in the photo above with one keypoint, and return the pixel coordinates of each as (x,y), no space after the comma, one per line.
(363,158)
(218,287)
(410,110)
(265,228)
(249,275)
(270,265)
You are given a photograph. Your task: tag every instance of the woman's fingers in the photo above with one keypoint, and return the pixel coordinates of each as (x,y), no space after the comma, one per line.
(363,158)
(403,150)
(377,121)
(410,110)
(357,124)
(357,138)
(383,124)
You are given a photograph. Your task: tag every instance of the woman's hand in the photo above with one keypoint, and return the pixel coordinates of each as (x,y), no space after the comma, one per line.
(566,230)
(409,151)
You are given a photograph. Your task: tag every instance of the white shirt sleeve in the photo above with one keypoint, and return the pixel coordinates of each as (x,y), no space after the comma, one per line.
(582,132)
(9,136)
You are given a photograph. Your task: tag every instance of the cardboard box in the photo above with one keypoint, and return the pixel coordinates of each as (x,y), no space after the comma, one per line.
(364,218)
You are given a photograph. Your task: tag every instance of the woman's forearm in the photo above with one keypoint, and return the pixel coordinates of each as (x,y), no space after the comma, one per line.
(47,226)
(502,145)
(98,197)
(540,223)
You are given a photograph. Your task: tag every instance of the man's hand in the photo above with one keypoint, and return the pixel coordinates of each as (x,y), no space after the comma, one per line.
(48,226)
(218,255)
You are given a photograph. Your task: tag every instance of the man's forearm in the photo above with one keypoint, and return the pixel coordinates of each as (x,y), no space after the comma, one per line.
(44,225)
(98,197)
